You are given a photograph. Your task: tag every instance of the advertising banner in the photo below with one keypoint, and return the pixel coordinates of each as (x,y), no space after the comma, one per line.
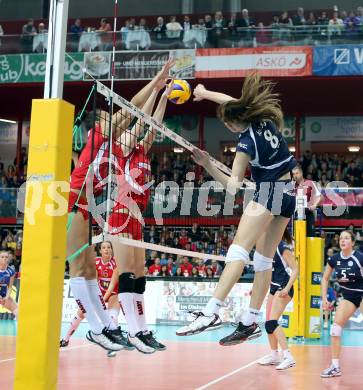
(30,68)
(239,62)
(341,60)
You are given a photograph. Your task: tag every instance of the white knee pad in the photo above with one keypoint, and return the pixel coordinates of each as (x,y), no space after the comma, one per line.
(261,263)
(336,330)
(113,313)
(236,253)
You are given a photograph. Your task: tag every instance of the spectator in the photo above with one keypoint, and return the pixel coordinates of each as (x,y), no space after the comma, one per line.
(299,18)
(186,24)
(218,21)
(76,31)
(179,272)
(323,19)
(311,21)
(160,30)
(201,267)
(209,272)
(245,20)
(155,269)
(208,21)
(360,15)
(336,25)
(186,267)
(170,265)
(27,35)
(232,23)
(183,239)
(313,195)
(195,273)
(173,28)
(11,176)
(285,20)
(200,25)
(351,24)
(143,24)
(105,26)
(163,259)
(164,271)
(42,29)
(124,30)
(262,36)
(196,233)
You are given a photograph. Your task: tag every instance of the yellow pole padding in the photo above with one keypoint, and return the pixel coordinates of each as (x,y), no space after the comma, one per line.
(44,246)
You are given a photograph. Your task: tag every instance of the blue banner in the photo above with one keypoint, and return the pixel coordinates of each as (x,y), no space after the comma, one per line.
(342,60)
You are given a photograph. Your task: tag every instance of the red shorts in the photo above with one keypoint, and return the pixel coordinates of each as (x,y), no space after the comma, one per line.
(81,201)
(124,223)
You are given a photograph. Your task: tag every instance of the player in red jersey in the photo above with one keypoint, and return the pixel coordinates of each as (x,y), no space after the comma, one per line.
(83,279)
(126,221)
(106,267)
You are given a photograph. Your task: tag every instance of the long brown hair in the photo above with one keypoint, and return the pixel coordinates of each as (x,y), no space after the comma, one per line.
(257,103)
(287,236)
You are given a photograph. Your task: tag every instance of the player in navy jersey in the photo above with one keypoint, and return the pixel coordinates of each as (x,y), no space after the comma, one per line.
(257,118)
(7,276)
(281,293)
(348,267)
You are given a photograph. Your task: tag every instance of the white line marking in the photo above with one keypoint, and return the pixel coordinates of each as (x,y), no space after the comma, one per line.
(221,378)
(62,350)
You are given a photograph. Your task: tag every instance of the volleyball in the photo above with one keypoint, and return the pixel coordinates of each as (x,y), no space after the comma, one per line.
(181,92)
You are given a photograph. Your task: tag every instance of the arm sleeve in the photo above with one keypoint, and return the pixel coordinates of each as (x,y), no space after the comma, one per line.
(331,261)
(246,145)
(11,271)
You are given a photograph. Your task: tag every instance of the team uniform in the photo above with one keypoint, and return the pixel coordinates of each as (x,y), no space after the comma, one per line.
(99,159)
(270,160)
(280,277)
(104,275)
(5,277)
(349,272)
(134,187)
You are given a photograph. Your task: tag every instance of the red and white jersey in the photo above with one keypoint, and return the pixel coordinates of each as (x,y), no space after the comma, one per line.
(310,190)
(99,159)
(136,181)
(104,273)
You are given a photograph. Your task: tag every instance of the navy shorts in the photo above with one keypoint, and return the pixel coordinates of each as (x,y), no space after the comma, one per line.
(277,197)
(352,296)
(274,289)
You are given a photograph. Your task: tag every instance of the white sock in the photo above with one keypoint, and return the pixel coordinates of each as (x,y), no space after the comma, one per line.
(287,354)
(127,305)
(139,305)
(250,316)
(274,353)
(99,304)
(213,306)
(114,315)
(335,363)
(80,293)
(73,327)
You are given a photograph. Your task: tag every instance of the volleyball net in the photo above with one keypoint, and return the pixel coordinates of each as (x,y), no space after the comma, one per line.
(143,187)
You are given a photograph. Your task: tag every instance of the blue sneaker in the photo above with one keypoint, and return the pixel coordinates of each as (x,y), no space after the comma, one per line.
(331,372)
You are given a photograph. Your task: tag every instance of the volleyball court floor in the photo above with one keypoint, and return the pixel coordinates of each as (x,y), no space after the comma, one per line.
(196,362)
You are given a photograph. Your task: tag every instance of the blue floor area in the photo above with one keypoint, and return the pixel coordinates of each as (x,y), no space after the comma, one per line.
(165,332)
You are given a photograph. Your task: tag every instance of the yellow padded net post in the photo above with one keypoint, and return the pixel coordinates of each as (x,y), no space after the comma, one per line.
(44,246)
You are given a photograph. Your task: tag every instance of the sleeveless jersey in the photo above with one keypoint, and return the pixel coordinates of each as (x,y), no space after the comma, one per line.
(104,273)
(349,270)
(270,156)
(136,182)
(99,159)
(5,277)
(280,276)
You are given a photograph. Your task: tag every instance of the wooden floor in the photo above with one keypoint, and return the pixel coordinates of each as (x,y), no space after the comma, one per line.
(192,365)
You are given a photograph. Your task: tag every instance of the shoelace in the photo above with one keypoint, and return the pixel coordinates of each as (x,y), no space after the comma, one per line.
(196,314)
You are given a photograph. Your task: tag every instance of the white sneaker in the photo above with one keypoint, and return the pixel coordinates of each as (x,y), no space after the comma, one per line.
(269,360)
(200,324)
(103,341)
(140,345)
(331,372)
(286,363)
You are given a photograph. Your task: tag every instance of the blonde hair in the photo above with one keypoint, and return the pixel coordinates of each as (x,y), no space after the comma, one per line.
(257,103)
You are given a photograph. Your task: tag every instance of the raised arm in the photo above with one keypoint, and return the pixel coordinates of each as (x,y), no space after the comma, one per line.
(230,183)
(201,93)
(158,115)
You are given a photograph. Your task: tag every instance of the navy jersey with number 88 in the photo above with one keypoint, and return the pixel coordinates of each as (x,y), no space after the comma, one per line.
(270,156)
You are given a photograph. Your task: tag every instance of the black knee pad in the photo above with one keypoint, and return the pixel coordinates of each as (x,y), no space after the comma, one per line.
(270,326)
(126,282)
(140,285)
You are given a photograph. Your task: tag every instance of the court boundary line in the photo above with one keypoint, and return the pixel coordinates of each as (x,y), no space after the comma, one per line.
(221,378)
(61,350)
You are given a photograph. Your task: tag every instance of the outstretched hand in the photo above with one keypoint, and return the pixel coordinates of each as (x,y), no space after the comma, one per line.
(199,93)
(164,73)
(200,157)
(169,87)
